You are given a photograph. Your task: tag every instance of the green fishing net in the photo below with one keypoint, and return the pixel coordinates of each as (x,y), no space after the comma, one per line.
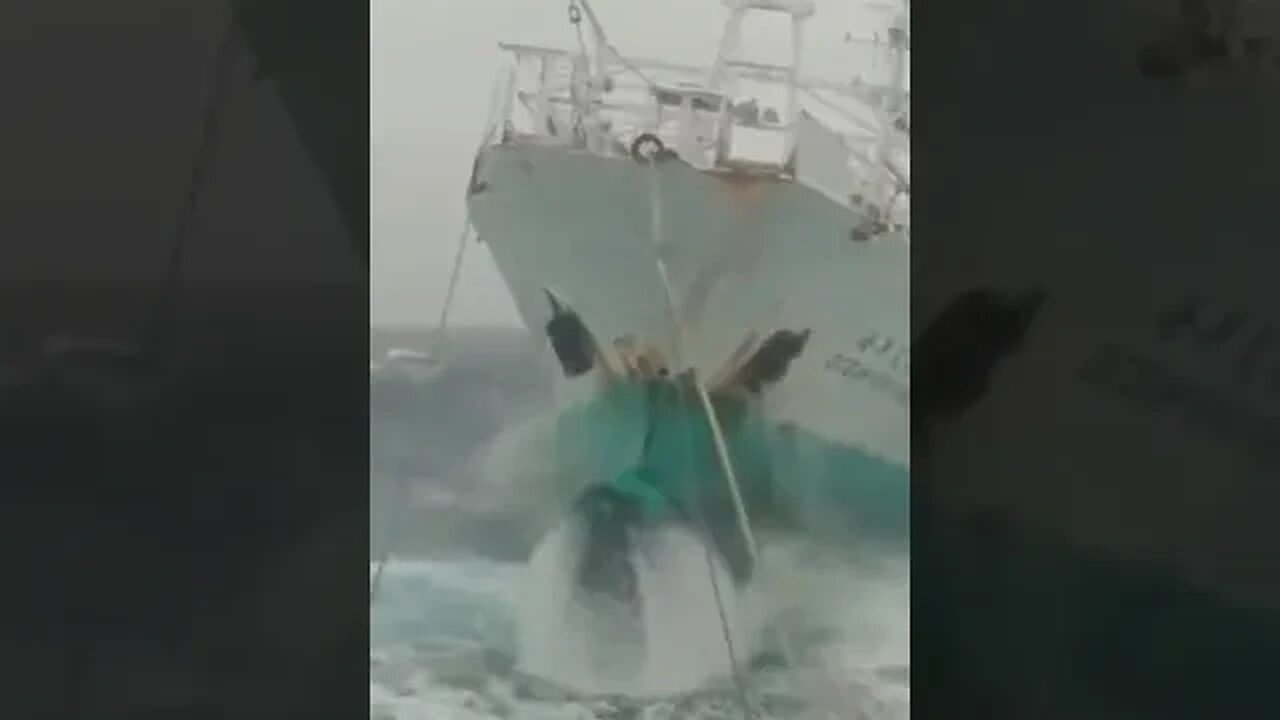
(651,440)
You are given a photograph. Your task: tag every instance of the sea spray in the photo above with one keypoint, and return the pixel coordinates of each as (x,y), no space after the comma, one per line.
(844,615)
(531,472)
(676,643)
(594,645)
(847,617)
(515,480)
(684,626)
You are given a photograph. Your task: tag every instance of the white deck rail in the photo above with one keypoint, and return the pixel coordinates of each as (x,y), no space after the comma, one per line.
(737,116)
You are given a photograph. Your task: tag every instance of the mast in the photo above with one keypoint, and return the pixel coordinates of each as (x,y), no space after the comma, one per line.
(604,54)
(723,81)
(731,40)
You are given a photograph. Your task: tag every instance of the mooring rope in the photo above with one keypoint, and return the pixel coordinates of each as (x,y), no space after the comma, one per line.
(439,334)
(437,341)
(717,435)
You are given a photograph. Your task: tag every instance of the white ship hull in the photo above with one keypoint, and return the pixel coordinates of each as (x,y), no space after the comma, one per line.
(743,255)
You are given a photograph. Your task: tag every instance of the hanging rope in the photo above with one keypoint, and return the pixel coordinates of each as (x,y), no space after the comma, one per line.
(575,19)
(439,336)
(438,341)
(717,436)
(602,42)
(442,322)
(393,525)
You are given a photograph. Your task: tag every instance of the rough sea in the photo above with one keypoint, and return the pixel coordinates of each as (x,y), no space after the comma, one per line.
(464,623)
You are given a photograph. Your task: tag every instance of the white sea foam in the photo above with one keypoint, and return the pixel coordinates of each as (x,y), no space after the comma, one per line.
(439,624)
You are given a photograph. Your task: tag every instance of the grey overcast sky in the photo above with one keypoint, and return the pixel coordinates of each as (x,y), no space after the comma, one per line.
(433,63)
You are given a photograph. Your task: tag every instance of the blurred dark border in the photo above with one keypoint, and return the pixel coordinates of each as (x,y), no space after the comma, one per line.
(1124,588)
(184,454)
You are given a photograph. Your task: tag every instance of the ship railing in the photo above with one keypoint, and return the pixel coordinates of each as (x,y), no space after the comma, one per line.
(563,98)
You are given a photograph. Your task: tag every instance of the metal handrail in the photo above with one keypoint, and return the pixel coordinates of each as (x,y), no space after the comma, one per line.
(557,90)
(747,70)
(604,110)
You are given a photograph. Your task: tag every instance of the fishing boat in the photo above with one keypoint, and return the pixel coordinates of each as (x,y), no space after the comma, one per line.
(718,254)
(697,210)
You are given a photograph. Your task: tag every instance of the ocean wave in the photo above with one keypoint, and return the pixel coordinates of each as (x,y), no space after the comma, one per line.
(457,658)
(448,455)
